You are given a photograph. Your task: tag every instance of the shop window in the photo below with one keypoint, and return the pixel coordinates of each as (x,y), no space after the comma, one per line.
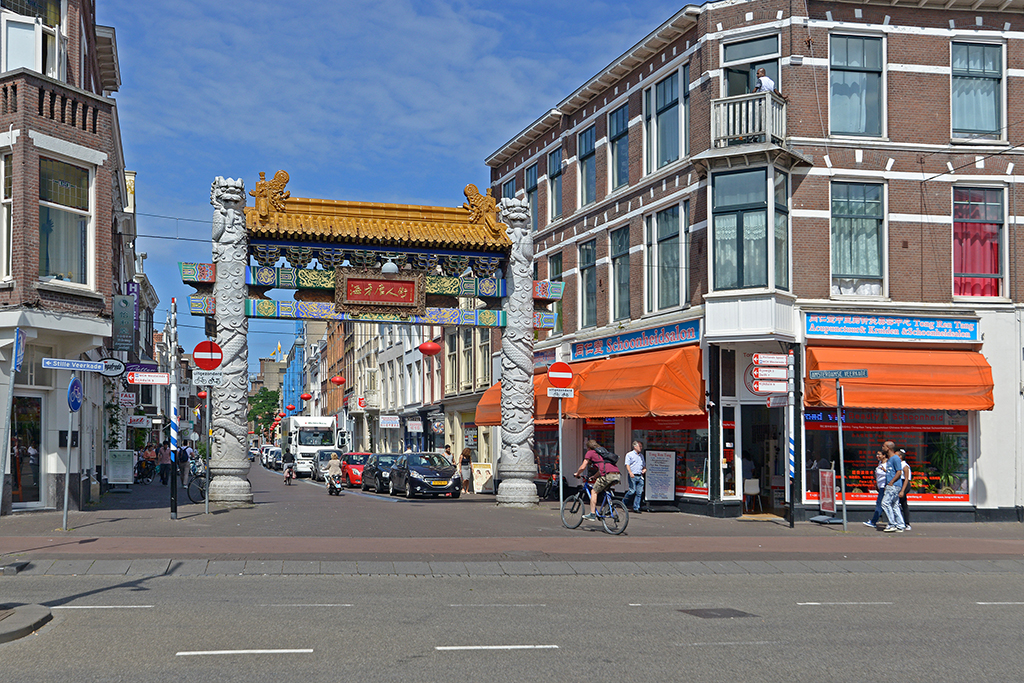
(855,85)
(26,446)
(687,438)
(588,166)
(32,373)
(977,86)
(741,60)
(620,273)
(531,194)
(661,123)
(588,283)
(858,239)
(64,222)
(977,240)
(508,189)
(555,184)
(728,379)
(618,139)
(555,275)
(740,213)
(7,169)
(665,259)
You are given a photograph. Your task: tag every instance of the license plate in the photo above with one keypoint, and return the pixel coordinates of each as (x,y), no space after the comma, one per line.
(439,483)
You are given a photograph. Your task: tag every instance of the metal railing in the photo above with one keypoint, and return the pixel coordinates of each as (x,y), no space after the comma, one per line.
(745,119)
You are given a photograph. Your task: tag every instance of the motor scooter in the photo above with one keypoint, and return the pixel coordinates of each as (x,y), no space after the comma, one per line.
(334,487)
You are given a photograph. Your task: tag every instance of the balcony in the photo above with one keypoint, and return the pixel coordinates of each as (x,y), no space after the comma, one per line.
(748,119)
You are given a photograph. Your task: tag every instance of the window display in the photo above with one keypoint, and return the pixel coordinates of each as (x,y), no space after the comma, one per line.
(687,436)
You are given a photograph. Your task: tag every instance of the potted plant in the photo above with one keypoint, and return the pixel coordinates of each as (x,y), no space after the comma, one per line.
(947,462)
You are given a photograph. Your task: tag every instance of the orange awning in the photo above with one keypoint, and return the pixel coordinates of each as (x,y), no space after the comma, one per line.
(902,378)
(653,383)
(488,410)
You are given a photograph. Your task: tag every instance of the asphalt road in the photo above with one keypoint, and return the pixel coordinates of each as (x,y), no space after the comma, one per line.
(935,627)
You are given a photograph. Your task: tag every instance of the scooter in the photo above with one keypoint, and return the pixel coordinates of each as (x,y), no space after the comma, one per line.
(289,474)
(334,485)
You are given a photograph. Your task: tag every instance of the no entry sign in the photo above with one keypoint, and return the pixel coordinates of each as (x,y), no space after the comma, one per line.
(207,355)
(560,375)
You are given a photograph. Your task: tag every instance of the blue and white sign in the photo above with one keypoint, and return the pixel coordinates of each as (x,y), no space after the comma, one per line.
(79,365)
(75,394)
(641,340)
(852,326)
(19,348)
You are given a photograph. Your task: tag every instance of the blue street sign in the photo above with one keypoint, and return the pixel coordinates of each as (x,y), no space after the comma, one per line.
(19,348)
(80,365)
(75,394)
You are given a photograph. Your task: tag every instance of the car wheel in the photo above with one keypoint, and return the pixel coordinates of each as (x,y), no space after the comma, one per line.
(363,486)
(378,487)
(408,491)
(456,493)
(391,488)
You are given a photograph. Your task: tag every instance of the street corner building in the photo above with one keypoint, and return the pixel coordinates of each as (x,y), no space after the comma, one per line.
(66,249)
(839,181)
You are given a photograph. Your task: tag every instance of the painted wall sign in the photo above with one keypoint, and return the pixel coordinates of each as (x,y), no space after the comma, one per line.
(891,327)
(641,340)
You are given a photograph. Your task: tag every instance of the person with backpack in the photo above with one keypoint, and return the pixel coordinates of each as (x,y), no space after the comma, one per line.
(607,473)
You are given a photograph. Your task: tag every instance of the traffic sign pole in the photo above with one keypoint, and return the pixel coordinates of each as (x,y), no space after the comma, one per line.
(790,436)
(174,408)
(842,464)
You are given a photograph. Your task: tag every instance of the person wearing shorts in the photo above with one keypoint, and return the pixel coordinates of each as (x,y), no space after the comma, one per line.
(465,467)
(607,475)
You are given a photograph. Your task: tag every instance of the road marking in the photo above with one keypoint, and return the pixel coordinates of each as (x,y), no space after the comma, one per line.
(999,603)
(101,607)
(745,642)
(660,604)
(495,647)
(315,604)
(496,605)
(196,653)
(844,603)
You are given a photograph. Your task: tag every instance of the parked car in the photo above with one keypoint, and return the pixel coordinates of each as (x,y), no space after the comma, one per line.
(320,462)
(253,454)
(427,474)
(264,450)
(377,471)
(274,457)
(352,468)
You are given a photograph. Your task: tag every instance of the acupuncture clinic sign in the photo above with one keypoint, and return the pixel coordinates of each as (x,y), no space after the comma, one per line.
(641,340)
(892,327)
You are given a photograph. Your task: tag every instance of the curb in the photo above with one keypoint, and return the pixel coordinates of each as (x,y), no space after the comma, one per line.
(20,621)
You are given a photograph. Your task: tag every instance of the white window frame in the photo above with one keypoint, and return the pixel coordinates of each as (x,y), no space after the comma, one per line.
(57,48)
(590,158)
(723,65)
(612,187)
(508,189)
(90,279)
(615,298)
(884,239)
(581,295)
(649,123)
(652,253)
(531,186)
(884,113)
(1001,136)
(6,220)
(1004,247)
(555,178)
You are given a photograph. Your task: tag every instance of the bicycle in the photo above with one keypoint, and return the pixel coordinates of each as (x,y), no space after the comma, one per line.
(197,482)
(145,470)
(611,512)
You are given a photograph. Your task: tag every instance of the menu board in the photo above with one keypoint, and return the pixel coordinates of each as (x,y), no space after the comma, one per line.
(120,467)
(661,475)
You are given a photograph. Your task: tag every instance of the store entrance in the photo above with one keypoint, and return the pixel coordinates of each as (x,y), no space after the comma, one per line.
(761,449)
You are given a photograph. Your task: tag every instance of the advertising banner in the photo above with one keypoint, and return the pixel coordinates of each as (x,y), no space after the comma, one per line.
(389,422)
(827,486)
(483,477)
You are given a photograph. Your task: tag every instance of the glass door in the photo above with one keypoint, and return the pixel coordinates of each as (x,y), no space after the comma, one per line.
(729,452)
(26,447)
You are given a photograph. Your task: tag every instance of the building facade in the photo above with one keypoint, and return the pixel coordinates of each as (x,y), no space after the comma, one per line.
(859,208)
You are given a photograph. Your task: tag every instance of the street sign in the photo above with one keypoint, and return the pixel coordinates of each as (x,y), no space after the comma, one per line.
(112,367)
(769,386)
(208,378)
(761,372)
(139,422)
(560,375)
(75,394)
(79,365)
(126,398)
(837,374)
(149,378)
(19,348)
(560,392)
(770,359)
(207,355)
(779,401)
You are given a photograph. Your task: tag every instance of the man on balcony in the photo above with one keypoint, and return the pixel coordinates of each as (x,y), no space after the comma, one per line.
(766,84)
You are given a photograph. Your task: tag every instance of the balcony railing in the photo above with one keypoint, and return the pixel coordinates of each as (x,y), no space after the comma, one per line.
(746,119)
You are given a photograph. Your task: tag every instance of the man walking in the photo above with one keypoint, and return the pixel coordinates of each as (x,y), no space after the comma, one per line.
(164,462)
(635,471)
(893,485)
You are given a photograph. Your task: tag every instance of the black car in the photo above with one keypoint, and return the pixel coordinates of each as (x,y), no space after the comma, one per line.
(427,474)
(377,471)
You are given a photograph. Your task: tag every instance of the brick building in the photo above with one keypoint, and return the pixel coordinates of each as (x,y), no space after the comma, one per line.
(862,215)
(68,240)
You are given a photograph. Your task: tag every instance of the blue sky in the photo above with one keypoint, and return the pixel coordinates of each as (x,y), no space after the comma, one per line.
(376,100)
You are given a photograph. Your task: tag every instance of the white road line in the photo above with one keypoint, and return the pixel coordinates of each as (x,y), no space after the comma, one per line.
(102,607)
(660,604)
(495,647)
(844,603)
(496,605)
(196,653)
(999,603)
(312,605)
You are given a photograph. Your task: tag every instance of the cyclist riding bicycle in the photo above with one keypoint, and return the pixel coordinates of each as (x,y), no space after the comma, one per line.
(288,463)
(607,475)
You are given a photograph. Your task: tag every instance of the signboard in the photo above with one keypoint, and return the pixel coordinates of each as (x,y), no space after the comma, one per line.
(149,378)
(75,394)
(557,392)
(762,372)
(836,374)
(141,367)
(376,292)
(67,364)
(414,425)
(437,425)
(389,422)
(126,398)
(661,475)
(208,378)
(780,401)
(560,375)
(139,422)
(207,355)
(641,340)
(892,327)
(19,348)
(123,323)
(112,367)
(827,487)
(483,477)
(761,386)
(770,359)
(469,437)
(120,467)
(134,289)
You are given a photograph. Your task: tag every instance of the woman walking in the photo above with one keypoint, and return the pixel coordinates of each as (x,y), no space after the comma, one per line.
(465,467)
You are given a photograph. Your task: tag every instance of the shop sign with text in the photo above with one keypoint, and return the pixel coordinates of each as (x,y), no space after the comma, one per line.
(902,328)
(641,340)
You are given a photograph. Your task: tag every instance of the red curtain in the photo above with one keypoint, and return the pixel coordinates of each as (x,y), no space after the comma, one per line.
(976,241)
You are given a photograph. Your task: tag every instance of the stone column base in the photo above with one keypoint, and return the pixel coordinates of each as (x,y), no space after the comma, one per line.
(520,493)
(230,491)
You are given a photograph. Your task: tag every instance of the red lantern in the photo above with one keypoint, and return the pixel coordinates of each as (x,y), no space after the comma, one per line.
(252,432)
(201,394)
(291,407)
(337,380)
(429,348)
(280,414)
(306,397)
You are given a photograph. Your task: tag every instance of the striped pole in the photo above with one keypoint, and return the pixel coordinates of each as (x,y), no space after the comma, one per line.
(174,408)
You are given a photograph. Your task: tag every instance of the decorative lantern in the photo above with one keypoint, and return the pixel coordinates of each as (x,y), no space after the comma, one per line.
(280,414)
(291,407)
(429,348)
(306,397)
(201,394)
(337,380)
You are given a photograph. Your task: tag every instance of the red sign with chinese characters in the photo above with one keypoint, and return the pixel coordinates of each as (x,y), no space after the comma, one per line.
(381,292)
